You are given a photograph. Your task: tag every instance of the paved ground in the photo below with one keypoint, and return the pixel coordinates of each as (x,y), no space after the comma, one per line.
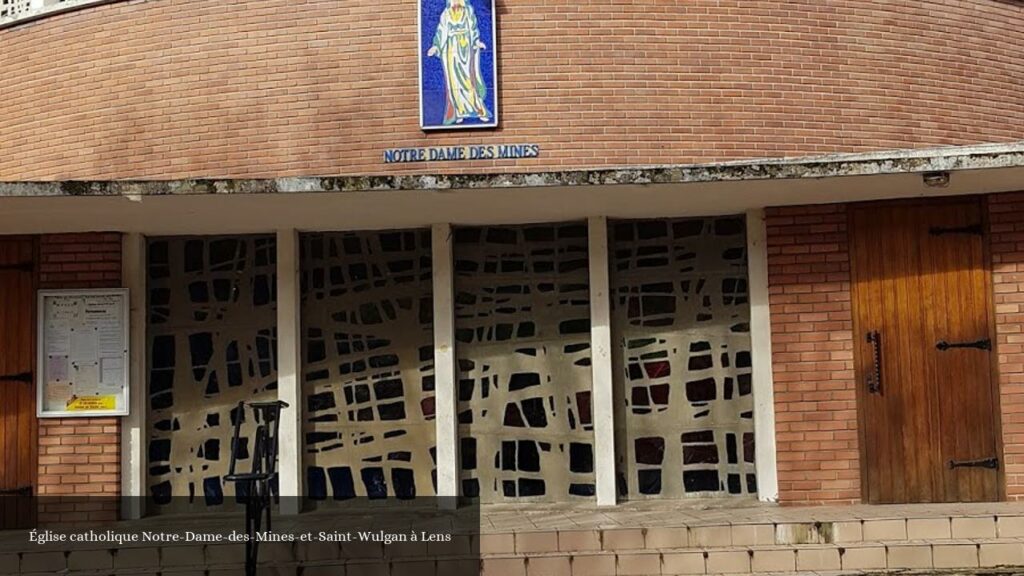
(498,519)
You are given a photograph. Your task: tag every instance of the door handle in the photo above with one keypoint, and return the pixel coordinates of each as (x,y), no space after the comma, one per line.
(874,378)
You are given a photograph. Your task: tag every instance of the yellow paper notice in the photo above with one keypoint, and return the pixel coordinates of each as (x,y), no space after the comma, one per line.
(92,403)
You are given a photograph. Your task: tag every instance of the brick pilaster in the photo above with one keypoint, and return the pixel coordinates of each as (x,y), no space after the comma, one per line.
(812,355)
(1006,217)
(79,456)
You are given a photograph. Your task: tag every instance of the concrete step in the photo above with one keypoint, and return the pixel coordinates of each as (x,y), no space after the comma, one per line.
(966,556)
(881,530)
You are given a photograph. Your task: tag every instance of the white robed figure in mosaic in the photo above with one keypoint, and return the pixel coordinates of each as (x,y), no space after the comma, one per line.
(457,43)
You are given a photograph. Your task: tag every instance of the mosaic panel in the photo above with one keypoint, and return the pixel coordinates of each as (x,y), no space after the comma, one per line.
(13,8)
(681,321)
(211,342)
(522,319)
(368,365)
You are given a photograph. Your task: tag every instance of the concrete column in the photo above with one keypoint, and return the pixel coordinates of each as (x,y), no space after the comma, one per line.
(133,426)
(761,358)
(446,419)
(601,361)
(289,363)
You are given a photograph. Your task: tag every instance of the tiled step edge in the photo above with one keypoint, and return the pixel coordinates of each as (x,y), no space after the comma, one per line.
(754,534)
(943,555)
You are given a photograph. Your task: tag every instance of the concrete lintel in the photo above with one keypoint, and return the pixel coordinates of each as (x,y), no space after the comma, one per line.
(974,157)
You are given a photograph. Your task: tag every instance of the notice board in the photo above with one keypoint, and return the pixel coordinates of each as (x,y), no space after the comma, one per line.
(82,353)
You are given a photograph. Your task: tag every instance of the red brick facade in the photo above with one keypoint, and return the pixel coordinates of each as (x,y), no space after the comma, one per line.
(812,355)
(79,456)
(272,88)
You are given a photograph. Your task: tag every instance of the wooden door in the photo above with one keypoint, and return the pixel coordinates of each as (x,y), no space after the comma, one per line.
(923,350)
(17,385)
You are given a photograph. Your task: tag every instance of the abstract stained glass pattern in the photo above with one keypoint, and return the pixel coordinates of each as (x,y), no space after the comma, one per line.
(368,365)
(681,320)
(522,318)
(211,343)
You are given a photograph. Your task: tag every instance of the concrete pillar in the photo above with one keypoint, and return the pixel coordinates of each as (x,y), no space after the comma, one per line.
(445,381)
(133,426)
(289,364)
(601,361)
(761,358)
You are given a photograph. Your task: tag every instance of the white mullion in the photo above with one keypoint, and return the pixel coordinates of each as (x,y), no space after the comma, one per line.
(601,361)
(133,426)
(445,382)
(761,358)
(289,363)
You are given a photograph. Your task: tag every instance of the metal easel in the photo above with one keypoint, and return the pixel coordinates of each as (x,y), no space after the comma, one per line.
(255,484)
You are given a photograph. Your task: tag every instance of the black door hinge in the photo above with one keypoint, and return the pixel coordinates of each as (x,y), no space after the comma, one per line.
(25,377)
(19,266)
(19,491)
(985,344)
(975,229)
(990,463)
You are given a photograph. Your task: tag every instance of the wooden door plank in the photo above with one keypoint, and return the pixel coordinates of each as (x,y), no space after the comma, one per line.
(8,443)
(864,294)
(7,440)
(969,427)
(18,432)
(908,313)
(953,372)
(984,482)
(898,466)
(972,413)
(937,291)
(876,291)
(932,304)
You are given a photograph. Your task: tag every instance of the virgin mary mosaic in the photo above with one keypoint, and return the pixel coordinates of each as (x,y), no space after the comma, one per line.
(458,68)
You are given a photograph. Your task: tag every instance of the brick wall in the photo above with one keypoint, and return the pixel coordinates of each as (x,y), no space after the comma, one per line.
(194,88)
(812,355)
(1006,218)
(79,456)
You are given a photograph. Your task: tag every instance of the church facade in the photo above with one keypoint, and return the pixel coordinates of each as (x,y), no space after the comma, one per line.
(511,253)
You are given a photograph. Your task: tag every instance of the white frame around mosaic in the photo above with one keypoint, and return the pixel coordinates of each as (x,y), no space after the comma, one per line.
(446,421)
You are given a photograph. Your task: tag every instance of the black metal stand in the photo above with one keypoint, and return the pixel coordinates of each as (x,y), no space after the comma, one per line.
(255,484)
